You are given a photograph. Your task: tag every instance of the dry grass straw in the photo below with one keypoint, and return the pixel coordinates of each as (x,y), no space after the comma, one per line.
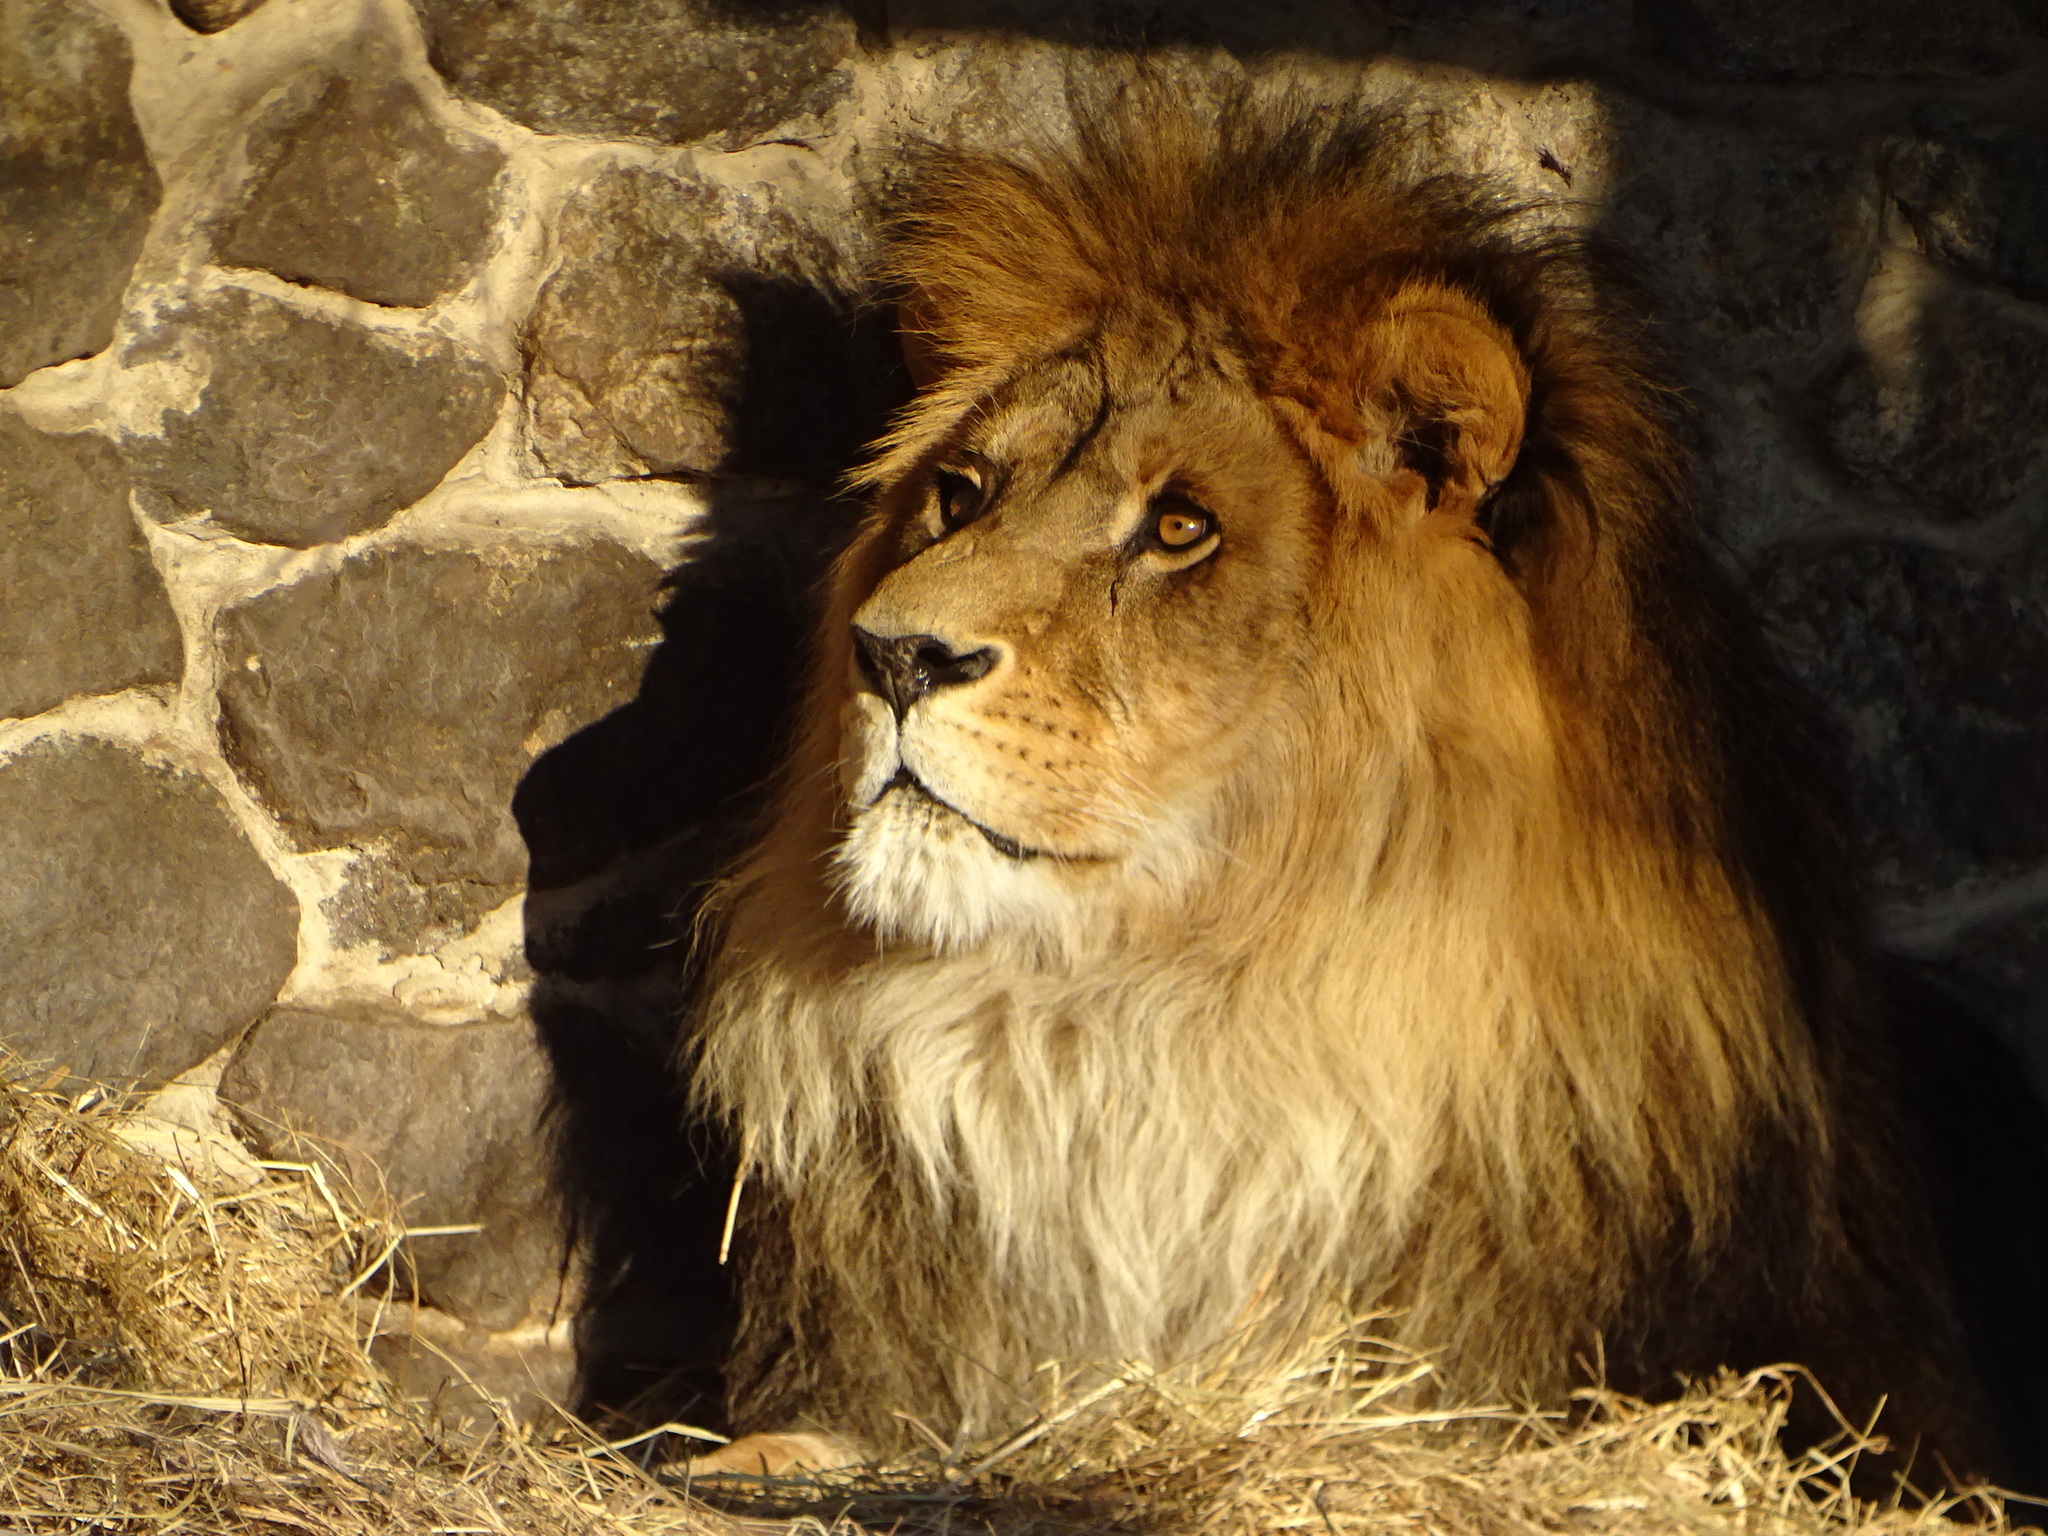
(182,1355)
(1329,1449)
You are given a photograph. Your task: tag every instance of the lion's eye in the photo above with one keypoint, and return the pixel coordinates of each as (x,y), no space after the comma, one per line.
(1180,524)
(960,497)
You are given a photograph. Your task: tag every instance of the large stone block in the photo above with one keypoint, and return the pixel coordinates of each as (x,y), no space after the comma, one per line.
(392,705)
(1755,245)
(139,931)
(76,187)
(82,609)
(1947,407)
(446,1117)
(673,71)
(1768,40)
(635,354)
(308,429)
(691,330)
(1937,675)
(365,193)
(1977,194)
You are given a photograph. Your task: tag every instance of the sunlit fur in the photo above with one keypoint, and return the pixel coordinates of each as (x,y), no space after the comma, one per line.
(1433,900)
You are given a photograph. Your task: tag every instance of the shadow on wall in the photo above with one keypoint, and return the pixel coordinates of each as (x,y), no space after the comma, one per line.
(629,821)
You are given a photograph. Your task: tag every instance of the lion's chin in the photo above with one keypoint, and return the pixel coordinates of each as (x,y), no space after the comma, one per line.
(916,871)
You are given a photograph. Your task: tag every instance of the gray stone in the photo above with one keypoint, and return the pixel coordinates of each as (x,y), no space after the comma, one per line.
(689,330)
(139,931)
(1937,676)
(365,193)
(308,429)
(1769,40)
(1950,412)
(1758,482)
(1754,245)
(393,704)
(671,71)
(635,354)
(400,899)
(213,15)
(84,610)
(1977,194)
(76,187)
(445,1118)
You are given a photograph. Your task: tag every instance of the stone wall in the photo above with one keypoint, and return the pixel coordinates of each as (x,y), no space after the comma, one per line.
(418,424)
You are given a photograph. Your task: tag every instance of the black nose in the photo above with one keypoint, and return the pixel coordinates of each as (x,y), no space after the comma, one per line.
(904,668)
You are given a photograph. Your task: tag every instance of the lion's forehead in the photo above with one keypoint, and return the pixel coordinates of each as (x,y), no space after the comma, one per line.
(1126,428)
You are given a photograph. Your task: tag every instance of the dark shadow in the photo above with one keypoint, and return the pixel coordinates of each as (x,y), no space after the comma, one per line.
(1982,1132)
(1527,38)
(629,821)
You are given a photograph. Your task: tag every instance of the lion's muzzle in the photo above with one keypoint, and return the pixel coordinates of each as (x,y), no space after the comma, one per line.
(904,668)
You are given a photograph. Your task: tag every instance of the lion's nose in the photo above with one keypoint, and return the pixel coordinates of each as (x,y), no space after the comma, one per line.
(904,668)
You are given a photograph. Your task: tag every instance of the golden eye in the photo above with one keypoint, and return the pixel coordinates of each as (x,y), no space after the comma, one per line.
(960,497)
(1179,524)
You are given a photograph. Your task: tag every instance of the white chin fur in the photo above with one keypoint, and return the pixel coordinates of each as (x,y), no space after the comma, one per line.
(868,752)
(915,872)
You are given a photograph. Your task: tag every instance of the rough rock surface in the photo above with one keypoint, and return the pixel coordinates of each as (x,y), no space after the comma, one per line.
(689,331)
(448,1116)
(1766,40)
(76,188)
(82,609)
(139,931)
(1953,414)
(1937,675)
(308,429)
(1754,246)
(392,705)
(1977,193)
(673,71)
(635,354)
(365,193)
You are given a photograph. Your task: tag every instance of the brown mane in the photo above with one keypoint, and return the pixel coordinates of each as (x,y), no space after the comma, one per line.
(1542,1018)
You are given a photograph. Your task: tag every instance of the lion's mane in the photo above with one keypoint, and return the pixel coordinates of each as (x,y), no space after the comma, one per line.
(1529,1003)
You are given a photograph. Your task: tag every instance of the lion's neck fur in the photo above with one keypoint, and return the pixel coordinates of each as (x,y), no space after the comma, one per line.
(1489,1025)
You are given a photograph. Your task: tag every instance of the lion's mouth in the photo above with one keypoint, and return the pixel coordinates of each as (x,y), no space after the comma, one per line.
(1009,847)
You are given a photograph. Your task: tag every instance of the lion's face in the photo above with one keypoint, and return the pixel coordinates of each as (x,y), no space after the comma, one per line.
(1078,614)
(1090,624)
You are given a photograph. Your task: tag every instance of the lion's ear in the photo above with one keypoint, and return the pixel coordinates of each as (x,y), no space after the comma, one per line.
(921,353)
(1449,386)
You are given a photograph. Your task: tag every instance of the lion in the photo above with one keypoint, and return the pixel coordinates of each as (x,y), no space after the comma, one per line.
(1286,808)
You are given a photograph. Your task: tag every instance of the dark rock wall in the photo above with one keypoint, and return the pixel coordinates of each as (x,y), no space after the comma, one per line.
(419,425)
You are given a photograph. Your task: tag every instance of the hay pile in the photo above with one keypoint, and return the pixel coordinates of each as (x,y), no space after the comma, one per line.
(185,1354)
(186,1351)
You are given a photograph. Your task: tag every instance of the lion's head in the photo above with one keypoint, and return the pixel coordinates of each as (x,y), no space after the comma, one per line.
(1284,795)
(1167,568)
